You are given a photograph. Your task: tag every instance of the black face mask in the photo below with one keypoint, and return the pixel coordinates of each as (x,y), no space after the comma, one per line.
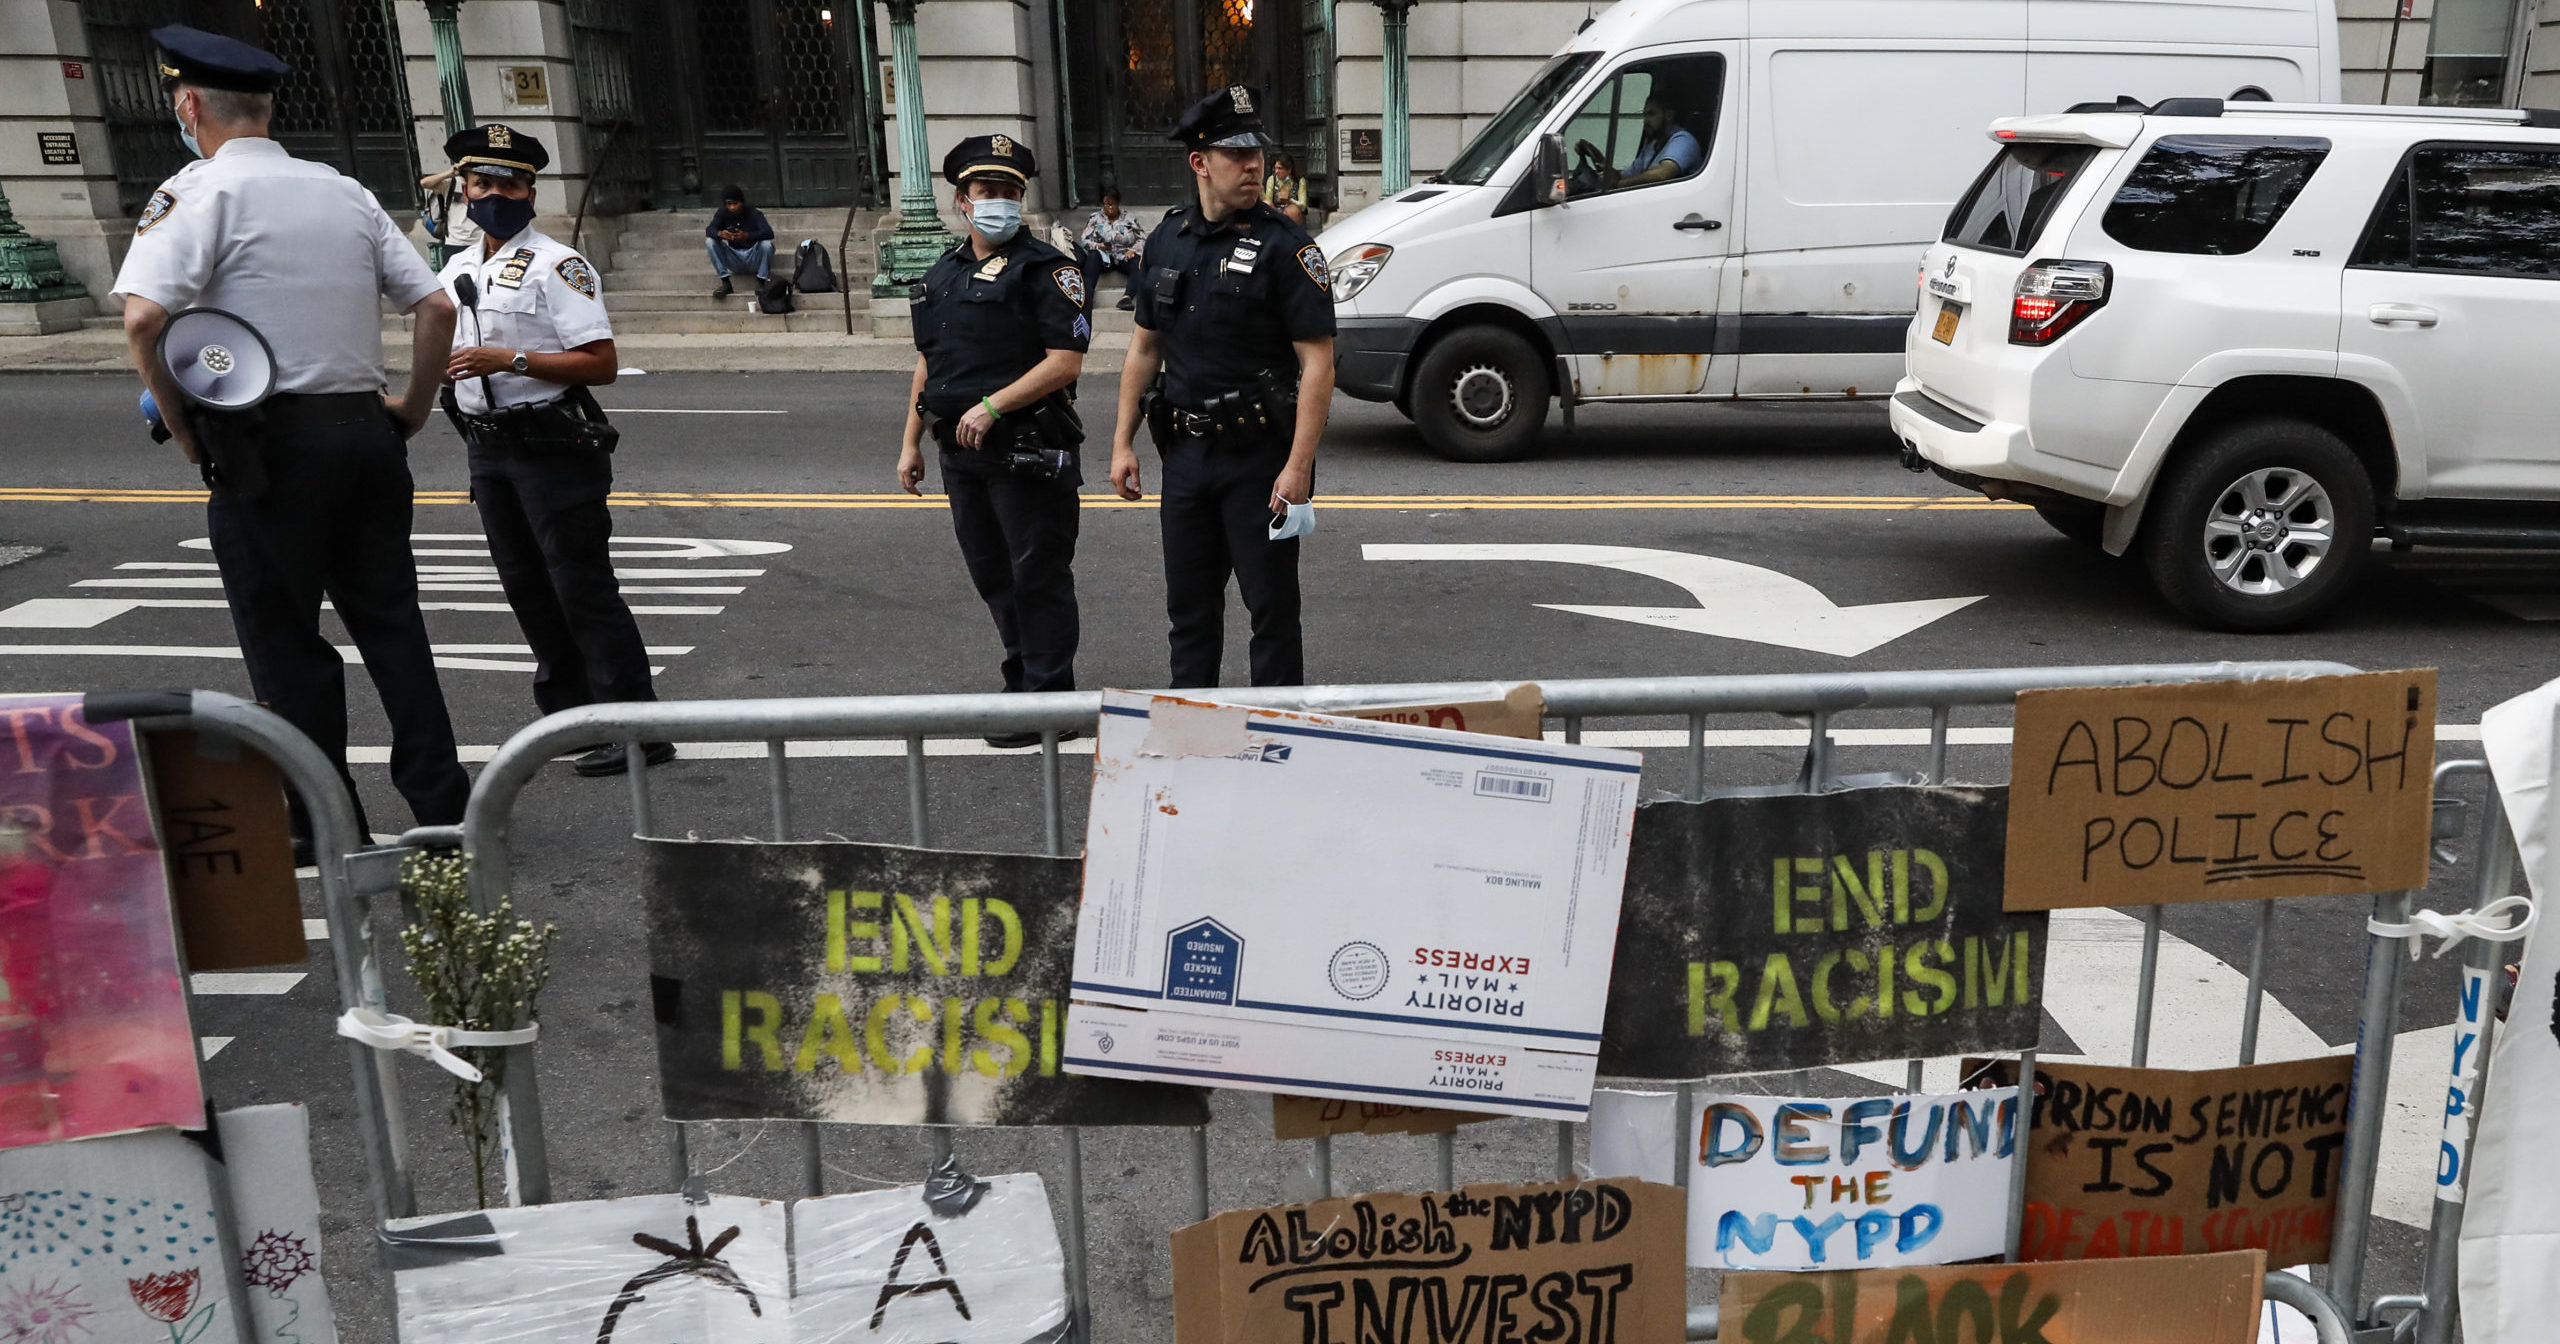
(501,217)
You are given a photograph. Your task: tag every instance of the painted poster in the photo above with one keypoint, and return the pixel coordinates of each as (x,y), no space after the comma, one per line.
(115,1240)
(2190,1299)
(1799,931)
(93,1019)
(882,1268)
(873,984)
(2136,1162)
(650,1269)
(1851,1182)
(275,1219)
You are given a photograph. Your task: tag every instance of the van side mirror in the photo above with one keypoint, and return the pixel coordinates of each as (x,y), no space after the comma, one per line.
(1550,183)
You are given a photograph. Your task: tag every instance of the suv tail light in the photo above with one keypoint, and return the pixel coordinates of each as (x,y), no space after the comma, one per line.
(2053,296)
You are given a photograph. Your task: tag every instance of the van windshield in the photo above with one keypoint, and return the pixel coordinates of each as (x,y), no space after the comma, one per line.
(1528,107)
(2010,202)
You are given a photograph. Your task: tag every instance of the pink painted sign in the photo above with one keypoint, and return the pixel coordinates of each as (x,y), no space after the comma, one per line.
(94,1036)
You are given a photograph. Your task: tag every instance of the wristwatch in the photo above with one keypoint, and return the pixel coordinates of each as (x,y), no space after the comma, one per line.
(523,363)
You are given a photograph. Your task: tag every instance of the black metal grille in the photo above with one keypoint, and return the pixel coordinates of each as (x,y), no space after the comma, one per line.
(813,83)
(375,81)
(1151,88)
(302,100)
(1226,43)
(732,96)
(616,131)
(142,129)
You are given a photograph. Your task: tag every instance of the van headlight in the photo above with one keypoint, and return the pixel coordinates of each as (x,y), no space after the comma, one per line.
(1354,269)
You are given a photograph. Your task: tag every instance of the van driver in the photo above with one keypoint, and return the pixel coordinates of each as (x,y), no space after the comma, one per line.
(1667,151)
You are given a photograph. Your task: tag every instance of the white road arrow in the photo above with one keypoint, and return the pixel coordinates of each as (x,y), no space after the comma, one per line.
(1735,600)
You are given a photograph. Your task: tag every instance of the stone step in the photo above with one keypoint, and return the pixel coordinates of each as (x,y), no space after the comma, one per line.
(822,321)
(691,300)
(680,272)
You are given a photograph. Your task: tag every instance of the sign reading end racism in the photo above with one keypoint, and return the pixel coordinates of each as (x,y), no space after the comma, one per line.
(873,984)
(2221,790)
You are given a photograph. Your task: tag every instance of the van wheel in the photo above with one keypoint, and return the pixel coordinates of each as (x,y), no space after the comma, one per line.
(2263,527)
(1480,395)
(2083,523)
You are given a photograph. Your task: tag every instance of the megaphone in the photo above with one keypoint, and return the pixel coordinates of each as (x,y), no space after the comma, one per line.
(217,360)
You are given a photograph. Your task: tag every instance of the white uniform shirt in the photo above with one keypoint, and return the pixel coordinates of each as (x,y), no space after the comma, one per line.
(536,295)
(293,248)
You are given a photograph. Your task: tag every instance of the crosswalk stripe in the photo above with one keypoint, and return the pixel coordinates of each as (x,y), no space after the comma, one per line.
(247,982)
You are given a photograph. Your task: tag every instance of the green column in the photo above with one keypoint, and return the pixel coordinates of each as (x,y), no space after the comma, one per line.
(1395,137)
(444,18)
(30,269)
(919,239)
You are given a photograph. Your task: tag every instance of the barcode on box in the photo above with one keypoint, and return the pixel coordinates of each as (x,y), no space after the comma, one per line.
(1490,785)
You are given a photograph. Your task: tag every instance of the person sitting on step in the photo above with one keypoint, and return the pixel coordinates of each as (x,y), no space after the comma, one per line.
(738,238)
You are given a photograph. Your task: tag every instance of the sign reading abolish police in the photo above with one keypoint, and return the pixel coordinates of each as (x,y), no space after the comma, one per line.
(1799,931)
(873,984)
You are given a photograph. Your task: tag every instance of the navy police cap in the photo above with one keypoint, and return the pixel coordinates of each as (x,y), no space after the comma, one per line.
(994,156)
(496,149)
(1230,118)
(212,61)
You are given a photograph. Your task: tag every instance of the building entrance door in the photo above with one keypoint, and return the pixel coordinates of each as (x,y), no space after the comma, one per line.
(1150,59)
(768,94)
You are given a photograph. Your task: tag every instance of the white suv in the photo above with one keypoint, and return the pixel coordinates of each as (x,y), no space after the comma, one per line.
(2243,339)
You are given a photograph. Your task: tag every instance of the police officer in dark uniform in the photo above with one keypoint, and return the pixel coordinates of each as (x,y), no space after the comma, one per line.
(533,337)
(311,488)
(1001,331)
(1236,310)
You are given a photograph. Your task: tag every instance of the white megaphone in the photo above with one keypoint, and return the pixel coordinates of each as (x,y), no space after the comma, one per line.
(217,360)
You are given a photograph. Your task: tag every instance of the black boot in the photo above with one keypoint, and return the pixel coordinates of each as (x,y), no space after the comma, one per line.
(613,760)
(724,290)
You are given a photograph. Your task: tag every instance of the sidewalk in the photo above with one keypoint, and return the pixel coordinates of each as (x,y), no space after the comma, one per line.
(103,350)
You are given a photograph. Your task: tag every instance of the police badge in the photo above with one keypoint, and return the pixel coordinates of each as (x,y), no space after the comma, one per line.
(161,203)
(1242,98)
(1311,257)
(577,274)
(1070,281)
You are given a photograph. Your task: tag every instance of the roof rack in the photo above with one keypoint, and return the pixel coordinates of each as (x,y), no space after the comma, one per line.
(2537,117)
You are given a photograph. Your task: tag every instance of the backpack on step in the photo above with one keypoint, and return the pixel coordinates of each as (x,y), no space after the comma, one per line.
(774,296)
(811,272)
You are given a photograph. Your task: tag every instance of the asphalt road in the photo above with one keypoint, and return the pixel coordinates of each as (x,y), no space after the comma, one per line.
(846,591)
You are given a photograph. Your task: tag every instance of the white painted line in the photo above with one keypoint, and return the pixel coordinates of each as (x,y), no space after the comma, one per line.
(628,548)
(638,410)
(489,571)
(424,585)
(309,870)
(247,982)
(348,652)
(206,565)
(315,930)
(212,1045)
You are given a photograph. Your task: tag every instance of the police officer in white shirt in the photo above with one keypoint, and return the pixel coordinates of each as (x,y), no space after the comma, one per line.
(533,337)
(314,497)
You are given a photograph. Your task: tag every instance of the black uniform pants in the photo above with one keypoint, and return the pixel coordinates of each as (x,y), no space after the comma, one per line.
(1215,508)
(1018,538)
(335,520)
(543,509)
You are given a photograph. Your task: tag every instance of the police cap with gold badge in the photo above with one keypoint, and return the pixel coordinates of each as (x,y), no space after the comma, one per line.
(212,61)
(1000,157)
(1230,118)
(498,150)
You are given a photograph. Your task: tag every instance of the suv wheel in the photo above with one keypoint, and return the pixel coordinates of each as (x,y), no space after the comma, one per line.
(1480,395)
(2083,523)
(2263,527)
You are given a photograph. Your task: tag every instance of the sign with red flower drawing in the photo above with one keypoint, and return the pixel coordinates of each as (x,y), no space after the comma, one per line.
(113,1241)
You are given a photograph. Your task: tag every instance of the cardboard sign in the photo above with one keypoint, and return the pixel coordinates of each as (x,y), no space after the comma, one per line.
(94,1036)
(873,984)
(2221,790)
(1808,930)
(1437,926)
(1521,712)
(882,1268)
(1314,1117)
(2135,1162)
(1851,1182)
(275,1218)
(602,1271)
(116,1239)
(222,813)
(2195,1299)
(1584,1262)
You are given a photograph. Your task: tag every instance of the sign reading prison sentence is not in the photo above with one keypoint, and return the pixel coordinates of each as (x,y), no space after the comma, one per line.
(1807,930)
(873,984)
(2221,790)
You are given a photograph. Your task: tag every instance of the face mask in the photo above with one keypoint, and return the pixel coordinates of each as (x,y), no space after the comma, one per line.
(188,138)
(997,219)
(501,217)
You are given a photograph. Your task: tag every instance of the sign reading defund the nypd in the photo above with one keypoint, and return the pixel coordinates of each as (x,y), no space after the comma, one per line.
(873,984)
(1801,931)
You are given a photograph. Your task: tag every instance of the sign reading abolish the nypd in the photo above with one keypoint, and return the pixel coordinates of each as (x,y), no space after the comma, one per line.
(2221,790)
(1806,930)
(873,984)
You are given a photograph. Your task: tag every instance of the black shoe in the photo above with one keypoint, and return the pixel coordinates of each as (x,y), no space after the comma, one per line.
(725,290)
(304,856)
(1126,303)
(1008,741)
(610,760)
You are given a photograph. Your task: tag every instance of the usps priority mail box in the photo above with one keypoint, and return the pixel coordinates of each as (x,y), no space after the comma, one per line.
(1289,902)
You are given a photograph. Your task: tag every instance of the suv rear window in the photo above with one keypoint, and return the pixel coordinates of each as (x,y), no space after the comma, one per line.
(2010,202)
(2215,195)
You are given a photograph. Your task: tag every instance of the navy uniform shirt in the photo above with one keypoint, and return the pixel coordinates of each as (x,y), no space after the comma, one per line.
(984,324)
(1247,288)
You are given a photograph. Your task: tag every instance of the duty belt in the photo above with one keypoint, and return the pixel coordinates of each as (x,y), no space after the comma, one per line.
(510,417)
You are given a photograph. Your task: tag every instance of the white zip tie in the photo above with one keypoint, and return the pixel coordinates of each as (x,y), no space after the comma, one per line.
(2454,928)
(390,1031)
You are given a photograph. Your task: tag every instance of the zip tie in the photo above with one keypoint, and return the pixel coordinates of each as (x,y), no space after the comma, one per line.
(390,1031)
(2454,928)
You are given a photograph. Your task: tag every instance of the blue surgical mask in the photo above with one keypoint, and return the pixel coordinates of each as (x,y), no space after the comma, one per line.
(996,219)
(188,138)
(501,217)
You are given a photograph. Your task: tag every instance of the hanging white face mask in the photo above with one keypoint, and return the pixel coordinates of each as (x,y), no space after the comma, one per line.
(188,138)
(996,219)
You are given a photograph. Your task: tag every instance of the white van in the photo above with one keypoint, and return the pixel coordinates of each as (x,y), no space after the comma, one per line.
(1814,149)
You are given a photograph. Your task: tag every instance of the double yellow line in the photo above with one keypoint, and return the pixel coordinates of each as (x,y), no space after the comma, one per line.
(642,499)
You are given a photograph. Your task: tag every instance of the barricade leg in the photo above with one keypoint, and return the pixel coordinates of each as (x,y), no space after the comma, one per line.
(1200,1174)
(1079,1289)
(2142,992)
(1564,1150)
(2366,1104)
(1320,1159)
(2495,862)
(2257,981)
(1444,1158)
(2021,1125)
